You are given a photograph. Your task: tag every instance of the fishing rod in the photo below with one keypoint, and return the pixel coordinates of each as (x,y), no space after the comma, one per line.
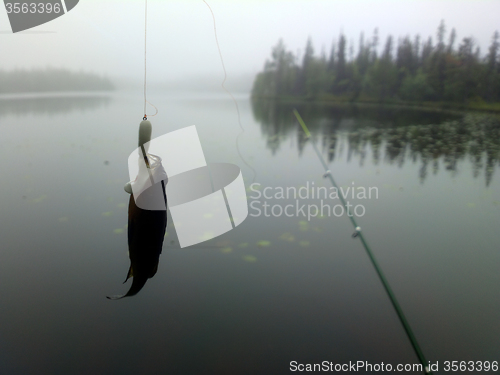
(358,233)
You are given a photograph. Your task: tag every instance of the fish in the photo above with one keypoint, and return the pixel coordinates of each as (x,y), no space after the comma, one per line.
(147,217)
(146,232)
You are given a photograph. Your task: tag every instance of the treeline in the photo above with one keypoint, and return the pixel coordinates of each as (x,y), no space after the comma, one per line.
(18,81)
(407,70)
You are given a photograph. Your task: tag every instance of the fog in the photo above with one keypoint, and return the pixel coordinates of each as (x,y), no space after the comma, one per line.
(107,36)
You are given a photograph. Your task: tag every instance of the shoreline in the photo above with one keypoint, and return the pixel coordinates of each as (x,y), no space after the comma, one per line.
(450,107)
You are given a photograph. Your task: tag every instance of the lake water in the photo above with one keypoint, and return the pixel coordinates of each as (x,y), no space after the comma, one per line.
(275,289)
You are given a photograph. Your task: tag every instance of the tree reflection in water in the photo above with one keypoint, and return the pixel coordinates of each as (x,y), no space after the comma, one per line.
(393,135)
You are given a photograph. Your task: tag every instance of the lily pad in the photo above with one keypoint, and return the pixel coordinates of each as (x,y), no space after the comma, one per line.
(244,244)
(303,226)
(118,231)
(41,198)
(207,236)
(226,249)
(107,213)
(287,237)
(263,243)
(249,258)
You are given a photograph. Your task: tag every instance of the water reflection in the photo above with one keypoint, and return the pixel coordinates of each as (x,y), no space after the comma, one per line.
(393,135)
(41,104)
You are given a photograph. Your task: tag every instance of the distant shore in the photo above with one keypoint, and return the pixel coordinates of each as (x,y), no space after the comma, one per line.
(425,105)
(51,80)
(407,71)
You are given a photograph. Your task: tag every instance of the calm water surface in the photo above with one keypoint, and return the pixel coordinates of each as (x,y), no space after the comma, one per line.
(275,289)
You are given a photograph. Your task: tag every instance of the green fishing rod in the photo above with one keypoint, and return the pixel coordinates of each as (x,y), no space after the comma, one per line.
(358,233)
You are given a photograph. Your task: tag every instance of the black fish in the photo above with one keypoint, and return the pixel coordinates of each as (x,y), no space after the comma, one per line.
(146,231)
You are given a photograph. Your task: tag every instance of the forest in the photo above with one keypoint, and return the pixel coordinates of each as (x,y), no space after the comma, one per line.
(407,70)
(51,79)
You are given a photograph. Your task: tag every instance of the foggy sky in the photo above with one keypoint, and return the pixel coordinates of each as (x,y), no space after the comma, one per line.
(107,36)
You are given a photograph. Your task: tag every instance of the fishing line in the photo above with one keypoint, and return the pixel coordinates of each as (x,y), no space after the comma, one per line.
(145,60)
(144,153)
(358,233)
(230,94)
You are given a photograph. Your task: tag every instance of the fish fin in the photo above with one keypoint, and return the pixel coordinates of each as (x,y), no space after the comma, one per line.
(153,272)
(115,297)
(136,286)
(129,274)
